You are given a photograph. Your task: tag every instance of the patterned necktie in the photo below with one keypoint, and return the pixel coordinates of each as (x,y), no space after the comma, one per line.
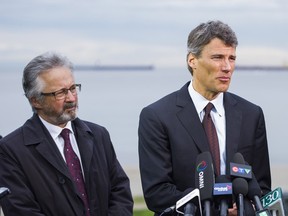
(74,167)
(212,137)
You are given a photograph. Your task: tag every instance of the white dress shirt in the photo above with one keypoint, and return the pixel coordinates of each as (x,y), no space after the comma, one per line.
(218,118)
(55,133)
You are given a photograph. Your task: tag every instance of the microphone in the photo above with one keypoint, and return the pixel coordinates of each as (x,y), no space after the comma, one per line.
(254,193)
(238,168)
(274,202)
(245,171)
(187,205)
(4,191)
(204,180)
(240,190)
(223,193)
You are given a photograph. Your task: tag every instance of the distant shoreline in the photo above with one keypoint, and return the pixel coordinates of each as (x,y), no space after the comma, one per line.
(152,67)
(262,68)
(114,67)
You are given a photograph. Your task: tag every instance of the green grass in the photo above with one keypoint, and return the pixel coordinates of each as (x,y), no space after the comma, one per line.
(142,213)
(140,208)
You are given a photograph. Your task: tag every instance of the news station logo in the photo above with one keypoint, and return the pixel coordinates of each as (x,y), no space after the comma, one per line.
(240,170)
(222,188)
(201,166)
(200,169)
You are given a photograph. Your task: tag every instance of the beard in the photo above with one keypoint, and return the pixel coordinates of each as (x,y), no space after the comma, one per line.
(60,117)
(67,116)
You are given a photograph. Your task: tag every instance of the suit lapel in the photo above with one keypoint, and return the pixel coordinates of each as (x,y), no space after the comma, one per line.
(85,144)
(189,118)
(37,134)
(233,127)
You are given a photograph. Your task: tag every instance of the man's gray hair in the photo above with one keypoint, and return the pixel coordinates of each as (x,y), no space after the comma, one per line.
(31,83)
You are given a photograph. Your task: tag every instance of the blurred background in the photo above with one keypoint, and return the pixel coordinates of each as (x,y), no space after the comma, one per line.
(148,38)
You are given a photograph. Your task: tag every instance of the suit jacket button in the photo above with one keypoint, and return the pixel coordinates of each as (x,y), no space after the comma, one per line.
(61,180)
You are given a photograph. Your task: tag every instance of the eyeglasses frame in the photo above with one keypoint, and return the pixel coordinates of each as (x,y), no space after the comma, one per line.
(63,90)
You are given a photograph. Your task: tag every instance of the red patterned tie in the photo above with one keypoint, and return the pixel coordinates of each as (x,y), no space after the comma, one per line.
(212,137)
(74,167)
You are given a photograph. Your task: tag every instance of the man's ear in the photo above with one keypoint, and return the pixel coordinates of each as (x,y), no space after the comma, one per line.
(191,60)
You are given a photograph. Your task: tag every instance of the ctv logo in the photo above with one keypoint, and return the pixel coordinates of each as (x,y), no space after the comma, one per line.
(241,170)
(201,166)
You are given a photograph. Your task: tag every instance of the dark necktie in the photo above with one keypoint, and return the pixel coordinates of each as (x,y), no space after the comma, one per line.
(212,137)
(74,167)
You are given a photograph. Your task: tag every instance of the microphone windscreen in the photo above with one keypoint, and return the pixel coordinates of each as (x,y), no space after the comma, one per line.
(204,175)
(240,186)
(238,158)
(253,188)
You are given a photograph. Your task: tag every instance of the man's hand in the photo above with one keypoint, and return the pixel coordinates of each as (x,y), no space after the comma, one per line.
(233,211)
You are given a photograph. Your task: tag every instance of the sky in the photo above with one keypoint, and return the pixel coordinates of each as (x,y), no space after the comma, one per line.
(132,32)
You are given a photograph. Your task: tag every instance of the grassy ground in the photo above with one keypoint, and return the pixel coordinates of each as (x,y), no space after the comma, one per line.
(142,213)
(140,208)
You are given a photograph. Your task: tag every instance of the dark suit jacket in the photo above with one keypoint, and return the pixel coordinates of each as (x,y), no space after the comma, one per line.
(171,136)
(32,167)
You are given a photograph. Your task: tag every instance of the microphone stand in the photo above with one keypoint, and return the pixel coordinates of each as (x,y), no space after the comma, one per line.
(190,209)
(207,208)
(240,209)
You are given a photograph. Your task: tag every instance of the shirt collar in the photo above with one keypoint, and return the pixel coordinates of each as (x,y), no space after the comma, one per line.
(55,130)
(200,102)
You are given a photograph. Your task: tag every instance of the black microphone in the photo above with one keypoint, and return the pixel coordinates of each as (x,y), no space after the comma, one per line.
(223,193)
(204,180)
(238,167)
(240,190)
(254,193)
(242,173)
(254,189)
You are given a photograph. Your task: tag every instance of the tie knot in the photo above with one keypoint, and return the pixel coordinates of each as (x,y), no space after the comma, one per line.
(65,134)
(208,107)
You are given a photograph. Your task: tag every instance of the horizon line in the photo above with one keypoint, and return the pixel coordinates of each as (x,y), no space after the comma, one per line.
(150,67)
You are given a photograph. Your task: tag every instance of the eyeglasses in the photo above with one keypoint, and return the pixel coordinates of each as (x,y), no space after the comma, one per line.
(62,93)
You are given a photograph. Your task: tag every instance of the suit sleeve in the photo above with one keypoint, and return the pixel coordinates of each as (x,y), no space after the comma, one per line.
(12,176)
(156,170)
(120,198)
(261,164)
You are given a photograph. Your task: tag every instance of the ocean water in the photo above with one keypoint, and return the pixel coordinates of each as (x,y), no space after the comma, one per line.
(114,99)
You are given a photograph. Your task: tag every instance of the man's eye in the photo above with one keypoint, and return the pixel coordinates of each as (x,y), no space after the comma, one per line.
(60,92)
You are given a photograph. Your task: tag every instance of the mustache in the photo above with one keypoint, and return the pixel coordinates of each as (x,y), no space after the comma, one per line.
(69,105)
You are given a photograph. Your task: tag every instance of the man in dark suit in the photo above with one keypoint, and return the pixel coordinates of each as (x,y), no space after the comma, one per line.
(36,162)
(171,135)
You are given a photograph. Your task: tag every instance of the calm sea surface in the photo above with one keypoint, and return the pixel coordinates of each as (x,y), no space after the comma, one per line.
(114,99)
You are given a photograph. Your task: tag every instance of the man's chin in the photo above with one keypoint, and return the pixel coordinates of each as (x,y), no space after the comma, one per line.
(66,117)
